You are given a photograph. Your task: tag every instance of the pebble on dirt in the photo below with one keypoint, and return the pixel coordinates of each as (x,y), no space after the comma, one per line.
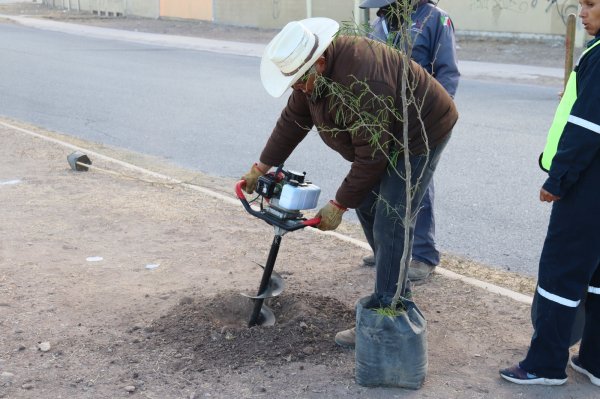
(44,346)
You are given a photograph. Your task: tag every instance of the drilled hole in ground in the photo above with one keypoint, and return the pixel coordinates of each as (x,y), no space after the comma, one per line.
(212,333)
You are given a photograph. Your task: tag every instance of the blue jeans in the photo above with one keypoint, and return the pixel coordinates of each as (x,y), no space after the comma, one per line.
(423,248)
(381,219)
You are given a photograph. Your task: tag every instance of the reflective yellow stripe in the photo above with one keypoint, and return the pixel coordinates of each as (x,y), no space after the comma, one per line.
(560,120)
(561,116)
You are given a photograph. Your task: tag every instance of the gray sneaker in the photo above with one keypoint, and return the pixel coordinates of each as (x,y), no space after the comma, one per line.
(369,260)
(346,338)
(419,271)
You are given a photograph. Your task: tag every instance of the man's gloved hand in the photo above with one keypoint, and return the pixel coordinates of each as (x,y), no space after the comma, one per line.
(251,178)
(331,216)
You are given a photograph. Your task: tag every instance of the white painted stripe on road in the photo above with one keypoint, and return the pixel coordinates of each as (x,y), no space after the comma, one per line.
(558,299)
(444,272)
(584,123)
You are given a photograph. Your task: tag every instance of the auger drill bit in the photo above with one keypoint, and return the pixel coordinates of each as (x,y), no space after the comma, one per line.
(274,287)
(262,315)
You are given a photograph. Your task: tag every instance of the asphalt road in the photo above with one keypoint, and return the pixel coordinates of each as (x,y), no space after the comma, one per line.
(209,112)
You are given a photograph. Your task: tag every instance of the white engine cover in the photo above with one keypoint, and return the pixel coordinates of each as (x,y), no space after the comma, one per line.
(300,197)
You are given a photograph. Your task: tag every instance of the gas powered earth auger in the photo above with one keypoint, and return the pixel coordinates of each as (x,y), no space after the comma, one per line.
(281,196)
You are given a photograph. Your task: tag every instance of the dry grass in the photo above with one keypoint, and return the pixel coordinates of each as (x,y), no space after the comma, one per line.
(513,281)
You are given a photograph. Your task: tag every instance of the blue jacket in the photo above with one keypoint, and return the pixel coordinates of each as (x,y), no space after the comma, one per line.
(434,46)
(580,142)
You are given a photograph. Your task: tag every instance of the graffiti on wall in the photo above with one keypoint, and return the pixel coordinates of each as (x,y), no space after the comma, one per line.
(563,7)
(519,6)
(276,9)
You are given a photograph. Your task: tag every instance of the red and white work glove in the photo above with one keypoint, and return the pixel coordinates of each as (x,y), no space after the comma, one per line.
(331,215)
(251,178)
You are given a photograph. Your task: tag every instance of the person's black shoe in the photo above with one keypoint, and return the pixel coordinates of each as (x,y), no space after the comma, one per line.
(519,376)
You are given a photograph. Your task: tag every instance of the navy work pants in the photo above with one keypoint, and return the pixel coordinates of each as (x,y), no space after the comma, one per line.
(568,274)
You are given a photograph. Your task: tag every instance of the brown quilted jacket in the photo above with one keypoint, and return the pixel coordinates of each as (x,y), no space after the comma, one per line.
(358,59)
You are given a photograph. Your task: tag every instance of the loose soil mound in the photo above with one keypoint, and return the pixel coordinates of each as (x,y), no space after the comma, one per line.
(213,332)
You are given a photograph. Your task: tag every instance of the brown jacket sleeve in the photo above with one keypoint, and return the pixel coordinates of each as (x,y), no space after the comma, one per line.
(292,127)
(371,142)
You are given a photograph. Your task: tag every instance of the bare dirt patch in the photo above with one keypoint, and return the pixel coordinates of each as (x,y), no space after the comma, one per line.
(74,325)
(115,328)
(215,331)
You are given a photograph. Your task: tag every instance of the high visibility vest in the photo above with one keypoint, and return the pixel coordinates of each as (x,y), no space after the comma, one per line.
(561,116)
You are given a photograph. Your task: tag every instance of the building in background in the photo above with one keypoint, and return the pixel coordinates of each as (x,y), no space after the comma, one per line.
(525,18)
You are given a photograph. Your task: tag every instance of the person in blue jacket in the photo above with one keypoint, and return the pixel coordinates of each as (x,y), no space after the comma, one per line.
(434,48)
(568,271)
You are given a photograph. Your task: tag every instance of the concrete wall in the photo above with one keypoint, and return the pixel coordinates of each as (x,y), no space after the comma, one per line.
(188,9)
(138,8)
(534,17)
(529,17)
(276,13)
(506,17)
(143,8)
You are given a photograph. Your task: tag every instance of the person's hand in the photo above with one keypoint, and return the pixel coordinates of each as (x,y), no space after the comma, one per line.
(546,196)
(251,178)
(331,216)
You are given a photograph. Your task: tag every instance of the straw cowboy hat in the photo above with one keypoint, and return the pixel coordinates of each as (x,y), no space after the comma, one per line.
(293,51)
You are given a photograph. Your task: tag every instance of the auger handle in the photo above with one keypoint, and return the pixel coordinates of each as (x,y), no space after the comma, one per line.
(288,225)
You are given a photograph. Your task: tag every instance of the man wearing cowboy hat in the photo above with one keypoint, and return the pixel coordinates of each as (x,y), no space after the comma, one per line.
(308,57)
